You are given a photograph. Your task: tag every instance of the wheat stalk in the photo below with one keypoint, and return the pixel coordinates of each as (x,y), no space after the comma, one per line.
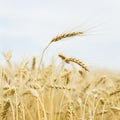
(57,38)
(68,60)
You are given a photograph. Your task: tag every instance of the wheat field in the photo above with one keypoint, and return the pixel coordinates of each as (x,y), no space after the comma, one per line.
(58,91)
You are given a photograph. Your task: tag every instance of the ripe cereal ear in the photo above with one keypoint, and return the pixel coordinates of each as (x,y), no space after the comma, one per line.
(58,38)
(68,60)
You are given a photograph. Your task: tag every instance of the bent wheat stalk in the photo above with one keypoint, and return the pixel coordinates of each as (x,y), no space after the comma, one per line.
(68,60)
(57,38)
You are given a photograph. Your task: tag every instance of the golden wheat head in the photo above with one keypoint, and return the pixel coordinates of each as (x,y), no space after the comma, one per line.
(66,35)
(57,38)
(67,60)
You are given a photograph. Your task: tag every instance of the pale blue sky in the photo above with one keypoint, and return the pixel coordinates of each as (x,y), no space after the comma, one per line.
(26,26)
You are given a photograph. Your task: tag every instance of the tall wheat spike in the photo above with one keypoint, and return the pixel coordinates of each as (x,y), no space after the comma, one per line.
(57,38)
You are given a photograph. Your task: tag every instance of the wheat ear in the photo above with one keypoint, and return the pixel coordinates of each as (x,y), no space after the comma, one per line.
(8,57)
(67,60)
(5,110)
(115,92)
(33,63)
(61,87)
(66,35)
(57,38)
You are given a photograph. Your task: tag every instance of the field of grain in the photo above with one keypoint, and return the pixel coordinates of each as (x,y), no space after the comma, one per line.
(31,91)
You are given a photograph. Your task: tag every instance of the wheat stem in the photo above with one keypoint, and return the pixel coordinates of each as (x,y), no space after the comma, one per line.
(41,59)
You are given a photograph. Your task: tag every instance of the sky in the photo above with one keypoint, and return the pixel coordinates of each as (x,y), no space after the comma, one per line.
(27,26)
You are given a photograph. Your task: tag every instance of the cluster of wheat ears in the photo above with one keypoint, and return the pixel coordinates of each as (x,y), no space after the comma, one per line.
(31,92)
